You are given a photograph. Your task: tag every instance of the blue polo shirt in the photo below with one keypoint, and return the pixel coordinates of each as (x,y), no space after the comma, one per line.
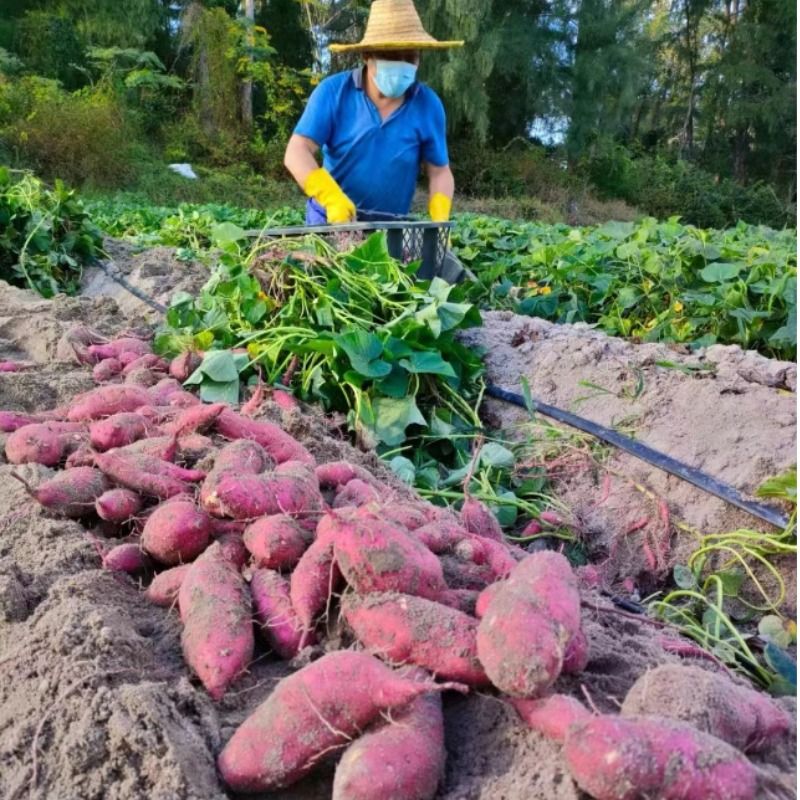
(375,161)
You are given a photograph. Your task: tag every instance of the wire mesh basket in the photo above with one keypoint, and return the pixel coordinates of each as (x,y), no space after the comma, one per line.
(406,240)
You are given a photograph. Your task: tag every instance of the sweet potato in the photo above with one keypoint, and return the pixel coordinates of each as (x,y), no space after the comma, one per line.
(11,421)
(312,712)
(117,430)
(552,716)
(407,515)
(215,607)
(233,548)
(276,541)
(279,444)
(478,519)
(313,580)
(284,400)
(140,473)
(74,345)
(243,456)
(116,347)
(107,400)
(356,493)
(338,473)
(176,532)
(126,358)
(182,366)
(163,390)
(275,614)
(82,456)
(402,759)
(441,536)
(106,370)
(576,653)
(735,713)
(521,649)
(375,556)
(126,557)
(465,575)
(141,377)
(405,629)
(618,758)
(118,505)
(183,399)
(149,361)
(36,444)
(163,448)
(72,492)
(251,496)
(195,418)
(194,447)
(164,588)
(460,599)
(485,597)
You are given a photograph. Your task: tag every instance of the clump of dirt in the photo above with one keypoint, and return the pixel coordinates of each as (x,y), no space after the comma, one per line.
(728,412)
(95,698)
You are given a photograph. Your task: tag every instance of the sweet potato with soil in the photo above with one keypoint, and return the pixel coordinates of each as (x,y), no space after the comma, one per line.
(194,447)
(439,537)
(11,421)
(276,541)
(216,609)
(116,347)
(737,714)
(356,493)
(405,629)
(41,443)
(117,430)
(478,519)
(251,496)
(521,649)
(163,390)
(402,759)
(107,400)
(72,492)
(338,473)
(74,345)
(233,548)
(465,575)
(460,599)
(106,370)
(183,399)
(127,558)
(118,505)
(149,361)
(164,588)
(316,710)
(82,456)
(182,366)
(243,456)
(137,472)
(275,614)
(576,653)
(195,418)
(619,758)
(376,556)
(313,581)
(163,448)
(278,444)
(176,532)
(552,716)
(485,597)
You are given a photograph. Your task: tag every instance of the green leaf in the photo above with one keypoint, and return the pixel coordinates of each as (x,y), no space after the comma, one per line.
(451,315)
(220,391)
(683,577)
(393,416)
(783,664)
(428,362)
(776,630)
(219,366)
(731,581)
(506,514)
(495,455)
(364,351)
(719,272)
(404,469)
(225,234)
(395,384)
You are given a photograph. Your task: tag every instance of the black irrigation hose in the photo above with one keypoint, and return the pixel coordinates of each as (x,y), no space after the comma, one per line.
(115,276)
(664,462)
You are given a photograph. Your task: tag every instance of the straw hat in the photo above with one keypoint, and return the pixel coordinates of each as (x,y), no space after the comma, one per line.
(394,25)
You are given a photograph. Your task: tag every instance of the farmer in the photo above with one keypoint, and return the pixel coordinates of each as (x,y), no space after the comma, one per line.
(376,125)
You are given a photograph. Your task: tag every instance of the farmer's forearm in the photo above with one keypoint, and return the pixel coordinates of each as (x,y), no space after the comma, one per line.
(300,158)
(441,181)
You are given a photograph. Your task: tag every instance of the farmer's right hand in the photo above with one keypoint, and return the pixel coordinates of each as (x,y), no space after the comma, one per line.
(323,188)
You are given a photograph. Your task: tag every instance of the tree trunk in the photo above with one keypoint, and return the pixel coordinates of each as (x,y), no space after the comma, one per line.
(247,84)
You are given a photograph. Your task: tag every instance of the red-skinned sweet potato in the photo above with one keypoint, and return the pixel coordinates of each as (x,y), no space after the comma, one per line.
(478,519)
(356,493)
(441,536)
(195,418)
(149,361)
(117,430)
(116,347)
(405,629)
(160,393)
(72,492)
(127,558)
(11,421)
(402,759)
(552,716)
(182,366)
(106,370)
(107,400)
(735,713)
(276,542)
(140,473)
(313,711)
(619,758)
(176,532)
(36,444)
(118,505)
(216,610)
(163,448)
(275,614)
(338,473)
(279,444)
(313,581)
(164,588)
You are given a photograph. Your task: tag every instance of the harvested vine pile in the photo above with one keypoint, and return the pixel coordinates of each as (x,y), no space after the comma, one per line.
(198,602)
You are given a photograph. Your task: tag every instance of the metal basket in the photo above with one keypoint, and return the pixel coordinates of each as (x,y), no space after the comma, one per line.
(406,240)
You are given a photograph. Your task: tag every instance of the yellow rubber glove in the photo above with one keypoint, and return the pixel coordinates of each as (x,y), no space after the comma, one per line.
(439,207)
(323,188)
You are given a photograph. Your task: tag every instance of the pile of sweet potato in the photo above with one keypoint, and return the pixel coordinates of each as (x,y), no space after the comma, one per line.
(232,520)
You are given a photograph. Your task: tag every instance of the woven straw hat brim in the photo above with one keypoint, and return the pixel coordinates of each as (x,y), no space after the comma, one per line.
(394,25)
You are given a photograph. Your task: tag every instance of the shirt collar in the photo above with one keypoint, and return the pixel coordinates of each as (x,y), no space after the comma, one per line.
(358,81)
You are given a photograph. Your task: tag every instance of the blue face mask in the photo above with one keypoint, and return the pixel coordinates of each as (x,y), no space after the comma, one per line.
(393,78)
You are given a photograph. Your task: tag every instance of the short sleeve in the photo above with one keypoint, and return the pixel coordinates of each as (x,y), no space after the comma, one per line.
(316,123)
(434,145)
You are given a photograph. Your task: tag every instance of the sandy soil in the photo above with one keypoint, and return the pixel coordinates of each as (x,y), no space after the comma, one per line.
(728,412)
(95,699)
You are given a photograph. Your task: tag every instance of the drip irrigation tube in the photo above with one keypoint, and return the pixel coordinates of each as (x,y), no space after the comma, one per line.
(642,451)
(116,277)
